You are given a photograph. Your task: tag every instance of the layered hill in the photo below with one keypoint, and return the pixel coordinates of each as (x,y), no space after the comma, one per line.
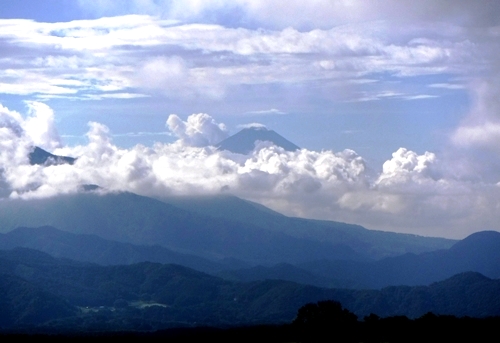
(479,252)
(92,248)
(372,243)
(130,218)
(150,296)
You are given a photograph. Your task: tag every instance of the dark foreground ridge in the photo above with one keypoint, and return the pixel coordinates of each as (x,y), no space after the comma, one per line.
(325,321)
(40,293)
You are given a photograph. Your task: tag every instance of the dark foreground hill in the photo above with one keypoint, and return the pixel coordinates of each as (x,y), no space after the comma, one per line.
(25,304)
(149,296)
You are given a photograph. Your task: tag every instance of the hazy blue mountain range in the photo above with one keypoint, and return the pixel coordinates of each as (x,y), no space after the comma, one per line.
(92,248)
(479,252)
(135,219)
(84,296)
(244,141)
(130,218)
(287,272)
(372,243)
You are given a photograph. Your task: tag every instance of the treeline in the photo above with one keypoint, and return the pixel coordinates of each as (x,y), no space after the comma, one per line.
(325,321)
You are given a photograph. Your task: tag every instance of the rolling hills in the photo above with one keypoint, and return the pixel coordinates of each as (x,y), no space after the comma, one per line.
(479,252)
(152,296)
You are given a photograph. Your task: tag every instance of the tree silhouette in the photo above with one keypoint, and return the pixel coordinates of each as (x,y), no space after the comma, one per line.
(325,321)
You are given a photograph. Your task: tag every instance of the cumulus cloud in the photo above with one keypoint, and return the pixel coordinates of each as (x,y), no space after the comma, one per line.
(39,126)
(17,139)
(14,144)
(408,166)
(189,166)
(199,130)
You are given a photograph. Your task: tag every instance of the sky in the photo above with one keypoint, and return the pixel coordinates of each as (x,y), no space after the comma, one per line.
(395,104)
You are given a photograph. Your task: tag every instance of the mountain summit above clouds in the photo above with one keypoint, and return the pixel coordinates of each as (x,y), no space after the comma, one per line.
(42,157)
(244,141)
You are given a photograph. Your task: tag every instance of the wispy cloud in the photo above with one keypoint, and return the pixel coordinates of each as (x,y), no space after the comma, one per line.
(447,85)
(272,111)
(141,134)
(351,132)
(118,96)
(251,125)
(420,97)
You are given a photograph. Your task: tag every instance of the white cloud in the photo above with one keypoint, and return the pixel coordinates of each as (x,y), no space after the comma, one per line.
(199,130)
(481,135)
(481,128)
(420,97)
(119,96)
(409,167)
(267,112)
(251,125)
(39,126)
(476,141)
(447,85)
(14,145)
(141,55)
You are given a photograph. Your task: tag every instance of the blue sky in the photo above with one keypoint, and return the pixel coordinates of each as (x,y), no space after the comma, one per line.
(409,88)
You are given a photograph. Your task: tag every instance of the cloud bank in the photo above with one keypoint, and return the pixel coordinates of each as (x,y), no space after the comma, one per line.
(413,193)
(140,55)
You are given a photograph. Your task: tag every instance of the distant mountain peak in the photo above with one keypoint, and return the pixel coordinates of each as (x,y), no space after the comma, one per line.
(42,157)
(244,141)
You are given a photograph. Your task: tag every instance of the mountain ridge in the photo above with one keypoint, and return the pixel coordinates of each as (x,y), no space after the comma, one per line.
(131,218)
(94,249)
(159,296)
